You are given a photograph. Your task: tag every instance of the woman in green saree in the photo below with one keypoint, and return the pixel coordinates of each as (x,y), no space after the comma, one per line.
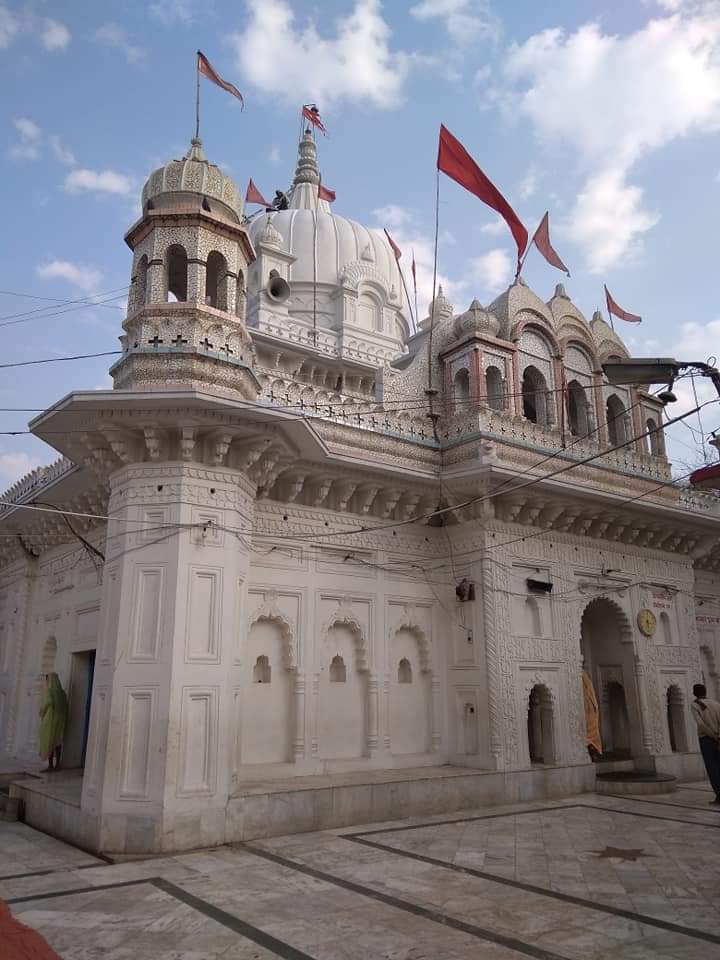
(53,717)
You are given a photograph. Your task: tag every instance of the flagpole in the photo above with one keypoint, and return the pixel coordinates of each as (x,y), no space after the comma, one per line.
(315,231)
(197,98)
(407,293)
(430,392)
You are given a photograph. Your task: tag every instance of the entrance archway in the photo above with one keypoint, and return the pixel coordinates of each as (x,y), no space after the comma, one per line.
(607,650)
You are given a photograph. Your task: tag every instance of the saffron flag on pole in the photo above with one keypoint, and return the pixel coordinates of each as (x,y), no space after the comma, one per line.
(455,162)
(312,114)
(207,70)
(541,240)
(412,269)
(325,193)
(617,311)
(253,195)
(395,248)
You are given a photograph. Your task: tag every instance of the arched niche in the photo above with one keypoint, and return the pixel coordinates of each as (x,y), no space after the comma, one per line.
(139,289)
(494,388)
(578,408)
(410,692)
(617,420)
(653,437)
(535,396)
(267,711)
(342,704)
(369,311)
(461,389)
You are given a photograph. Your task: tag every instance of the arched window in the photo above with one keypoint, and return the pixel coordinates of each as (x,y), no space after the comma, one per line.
(338,671)
(494,388)
(615,411)
(665,630)
(461,388)
(216,279)
(404,671)
(369,312)
(652,438)
(532,617)
(176,273)
(541,740)
(577,407)
(261,670)
(140,286)
(534,395)
(676,720)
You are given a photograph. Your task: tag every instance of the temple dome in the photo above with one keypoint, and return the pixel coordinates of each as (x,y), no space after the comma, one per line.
(347,251)
(193,178)
(476,320)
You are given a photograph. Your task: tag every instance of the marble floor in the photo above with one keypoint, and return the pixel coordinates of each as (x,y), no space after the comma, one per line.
(580,879)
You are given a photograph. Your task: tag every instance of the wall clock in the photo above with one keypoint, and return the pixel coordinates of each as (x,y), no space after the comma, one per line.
(647,622)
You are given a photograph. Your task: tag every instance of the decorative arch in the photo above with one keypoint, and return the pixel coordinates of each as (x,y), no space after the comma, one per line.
(534,322)
(616,416)
(217,279)
(345,618)
(352,274)
(622,621)
(461,387)
(579,409)
(408,622)
(541,720)
(494,387)
(269,613)
(586,349)
(609,348)
(573,333)
(536,403)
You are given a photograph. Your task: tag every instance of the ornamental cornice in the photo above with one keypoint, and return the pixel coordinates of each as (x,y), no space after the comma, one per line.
(354,273)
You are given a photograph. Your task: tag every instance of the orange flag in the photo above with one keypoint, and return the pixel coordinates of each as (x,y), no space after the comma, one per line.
(542,242)
(207,70)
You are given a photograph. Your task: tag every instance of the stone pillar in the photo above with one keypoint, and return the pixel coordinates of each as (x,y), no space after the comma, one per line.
(492,655)
(373,707)
(477,383)
(386,702)
(315,740)
(156,287)
(435,714)
(196,281)
(163,718)
(517,400)
(299,741)
(646,761)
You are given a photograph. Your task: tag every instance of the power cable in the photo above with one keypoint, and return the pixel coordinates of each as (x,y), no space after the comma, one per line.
(93,299)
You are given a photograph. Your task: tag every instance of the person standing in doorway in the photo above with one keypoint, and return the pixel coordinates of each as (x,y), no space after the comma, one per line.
(707,718)
(53,717)
(592,719)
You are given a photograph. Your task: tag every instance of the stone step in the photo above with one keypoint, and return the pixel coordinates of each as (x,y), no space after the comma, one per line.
(634,783)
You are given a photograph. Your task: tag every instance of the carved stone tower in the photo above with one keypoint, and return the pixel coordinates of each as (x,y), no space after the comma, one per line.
(185,325)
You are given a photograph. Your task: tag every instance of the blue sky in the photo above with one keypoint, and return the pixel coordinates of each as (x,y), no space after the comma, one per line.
(607,114)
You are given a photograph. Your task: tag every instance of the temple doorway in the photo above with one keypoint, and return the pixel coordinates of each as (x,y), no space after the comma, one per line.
(541,735)
(607,650)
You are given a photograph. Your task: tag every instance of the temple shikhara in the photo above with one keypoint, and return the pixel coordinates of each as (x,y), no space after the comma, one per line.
(304,566)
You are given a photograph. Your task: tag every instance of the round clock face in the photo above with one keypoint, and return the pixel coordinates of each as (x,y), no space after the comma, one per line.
(647,622)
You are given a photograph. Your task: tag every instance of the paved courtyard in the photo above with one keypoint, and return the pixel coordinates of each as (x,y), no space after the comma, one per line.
(587,877)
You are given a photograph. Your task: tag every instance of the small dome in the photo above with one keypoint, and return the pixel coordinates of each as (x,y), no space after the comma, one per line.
(476,320)
(439,309)
(194,174)
(269,235)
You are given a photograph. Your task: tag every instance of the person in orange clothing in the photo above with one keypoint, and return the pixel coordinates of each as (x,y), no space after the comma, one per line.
(18,942)
(592,719)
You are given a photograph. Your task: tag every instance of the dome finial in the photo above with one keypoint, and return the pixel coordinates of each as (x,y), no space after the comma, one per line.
(307,169)
(196,151)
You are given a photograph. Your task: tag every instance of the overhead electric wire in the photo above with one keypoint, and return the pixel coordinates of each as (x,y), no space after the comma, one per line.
(56,302)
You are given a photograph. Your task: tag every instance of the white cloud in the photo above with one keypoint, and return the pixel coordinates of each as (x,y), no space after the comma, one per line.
(494,270)
(79,275)
(62,153)
(608,220)
(115,36)
(55,35)
(613,99)
(30,136)
(14,466)
(529,183)
(494,229)
(466,21)
(99,181)
(274,155)
(173,11)
(392,215)
(356,64)
(9,27)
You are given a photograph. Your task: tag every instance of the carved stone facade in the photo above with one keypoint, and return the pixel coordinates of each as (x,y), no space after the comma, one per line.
(248,558)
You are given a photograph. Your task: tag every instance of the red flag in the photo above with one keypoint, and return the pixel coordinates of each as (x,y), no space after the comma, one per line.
(542,242)
(395,248)
(207,70)
(253,195)
(454,161)
(618,312)
(324,193)
(311,113)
